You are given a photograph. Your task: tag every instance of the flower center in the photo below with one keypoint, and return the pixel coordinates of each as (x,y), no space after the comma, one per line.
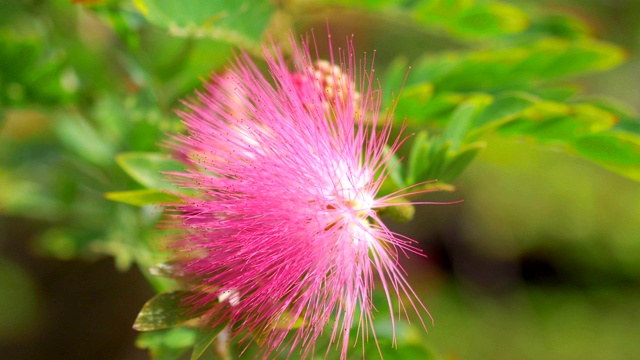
(359,230)
(352,205)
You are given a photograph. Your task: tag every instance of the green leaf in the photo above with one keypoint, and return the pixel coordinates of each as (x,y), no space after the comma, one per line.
(413,101)
(419,149)
(81,138)
(240,22)
(142,197)
(459,124)
(559,25)
(614,150)
(626,117)
(404,351)
(490,20)
(517,68)
(394,180)
(59,243)
(556,93)
(163,311)
(176,338)
(435,161)
(470,19)
(559,130)
(583,57)
(367,4)
(630,125)
(593,119)
(29,70)
(147,168)
(198,59)
(504,109)
(410,341)
(433,68)
(460,161)
(437,108)
(285,321)
(613,105)
(167,344)
(394,77)
(560,123)
(205,340)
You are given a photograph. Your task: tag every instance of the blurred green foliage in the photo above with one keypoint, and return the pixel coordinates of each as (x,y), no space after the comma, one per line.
(87,94)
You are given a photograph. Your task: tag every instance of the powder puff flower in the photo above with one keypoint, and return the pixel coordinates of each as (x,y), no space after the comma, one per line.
(283,232)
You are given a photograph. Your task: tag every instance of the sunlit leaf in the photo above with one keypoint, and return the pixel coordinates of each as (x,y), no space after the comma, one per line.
(162,312)
(141,197)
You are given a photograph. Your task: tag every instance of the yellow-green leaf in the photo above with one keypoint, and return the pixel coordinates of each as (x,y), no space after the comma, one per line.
(142,197)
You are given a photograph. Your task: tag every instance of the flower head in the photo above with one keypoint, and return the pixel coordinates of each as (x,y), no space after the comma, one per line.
(284,229)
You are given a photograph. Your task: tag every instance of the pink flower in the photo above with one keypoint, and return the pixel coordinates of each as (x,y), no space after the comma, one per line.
(284,229)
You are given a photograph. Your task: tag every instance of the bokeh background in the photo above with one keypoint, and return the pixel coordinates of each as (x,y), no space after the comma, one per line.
(541,261)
